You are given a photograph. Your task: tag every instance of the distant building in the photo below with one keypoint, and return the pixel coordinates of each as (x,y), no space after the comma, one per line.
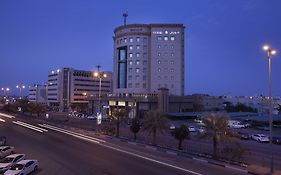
(68,86)
(38,94)
(148,57)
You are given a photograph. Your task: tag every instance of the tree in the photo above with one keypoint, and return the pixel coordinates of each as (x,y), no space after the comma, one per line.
(135,127)
(216,128)
(39,109)
(279,108)
(180,133)
(155,121)
(118,116)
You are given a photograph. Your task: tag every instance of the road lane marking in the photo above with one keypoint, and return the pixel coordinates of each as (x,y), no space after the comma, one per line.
(6,115)
(77,135)
(237,169)
(81,136)
(29,126)
(33,126)
(2,120)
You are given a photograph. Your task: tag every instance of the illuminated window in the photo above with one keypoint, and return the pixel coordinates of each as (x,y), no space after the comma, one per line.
(159,61)
(130,47)
(172,38)
(138,47)
(159,46)
(137,70)
(159,38)
(166,38)
(159,69)
(137,62)
(172,54)
(131,40)
(125,40)
(138,55)
(172,46)
(138,39)
(130,62)
(112,103)
(130,55)
(166,32)
(121,103)
(159,54)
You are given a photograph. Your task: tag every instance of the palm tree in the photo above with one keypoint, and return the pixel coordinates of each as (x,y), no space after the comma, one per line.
(155,121)
(135,127)
(217,129)
(119,115)
(180,133)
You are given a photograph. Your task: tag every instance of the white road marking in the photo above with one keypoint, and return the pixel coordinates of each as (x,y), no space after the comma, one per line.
(81,136)
(33,126)
(29,126)
(77,135)
(2,120)
(6,115)
(234,168)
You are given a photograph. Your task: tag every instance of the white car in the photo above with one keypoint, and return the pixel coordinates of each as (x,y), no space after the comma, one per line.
(9,161)
(260,138)
(23,167)
(6,150)
(191,129)
(172,127)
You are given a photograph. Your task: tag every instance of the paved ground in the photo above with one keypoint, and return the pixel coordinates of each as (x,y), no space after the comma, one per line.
(66,153)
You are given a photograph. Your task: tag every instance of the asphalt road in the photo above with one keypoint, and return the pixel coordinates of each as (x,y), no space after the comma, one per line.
(61,154)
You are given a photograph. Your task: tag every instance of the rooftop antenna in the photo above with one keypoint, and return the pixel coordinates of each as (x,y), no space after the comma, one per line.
(125,15)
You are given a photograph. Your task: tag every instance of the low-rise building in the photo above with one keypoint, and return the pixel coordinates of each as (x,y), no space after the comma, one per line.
(38,94)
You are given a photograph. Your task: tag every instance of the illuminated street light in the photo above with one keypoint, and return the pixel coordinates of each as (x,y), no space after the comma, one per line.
(270,53)
(5,90)
(20,88)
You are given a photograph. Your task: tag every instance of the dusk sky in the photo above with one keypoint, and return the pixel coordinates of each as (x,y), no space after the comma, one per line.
(223,39)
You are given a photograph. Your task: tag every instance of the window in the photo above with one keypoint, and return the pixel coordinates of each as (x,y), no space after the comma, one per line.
(130,85)
(125,40)
(159,69)
(130,69)
(159,46)
(137,77)
(166,32)
(172,54)
(130,62)
(145,47)
(137,70)
(130,55)
(121,41)
(144,77)
(159,38)
(172,38)
(172,46)
(138,47)
(137,85)
(131,40)
(159,54)
(172,62)
(144,70)
(137,55)
(144,85)
(137,62)
(165,38)
(145,40)
(159,77)
(172,70)
(144,62)
(159,61)
(130,77)
(144,55)
(138,39)
(131,47)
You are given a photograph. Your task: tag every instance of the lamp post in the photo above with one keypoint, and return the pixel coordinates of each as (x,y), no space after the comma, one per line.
(5,90)
(100,75)
(270,53)
(20,88)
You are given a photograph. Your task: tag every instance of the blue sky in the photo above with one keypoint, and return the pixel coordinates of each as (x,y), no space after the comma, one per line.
(223,39)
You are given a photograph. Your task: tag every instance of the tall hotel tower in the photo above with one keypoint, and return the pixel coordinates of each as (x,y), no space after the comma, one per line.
(148,57)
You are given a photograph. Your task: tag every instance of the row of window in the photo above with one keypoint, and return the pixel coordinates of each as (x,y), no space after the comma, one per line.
(165,46)
(95,81)
(166,69)
(90,85)
(165,78)
(165,54)
(137,70)
(166,38)
(165,85)
(131,40)
(137,62)
(165,62)
(137,85)
(137,77)
(137,47)
(91,90)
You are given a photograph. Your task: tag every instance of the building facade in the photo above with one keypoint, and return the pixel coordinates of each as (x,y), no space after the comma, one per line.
(148,57)
(68,86)
(38,94)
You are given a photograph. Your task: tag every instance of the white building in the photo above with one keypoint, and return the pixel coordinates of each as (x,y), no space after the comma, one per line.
(38,94)
(68,86)
(148,57)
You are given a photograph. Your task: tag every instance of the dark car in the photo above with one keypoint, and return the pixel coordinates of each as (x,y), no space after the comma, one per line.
(276,140)
(244,136)
(3,140)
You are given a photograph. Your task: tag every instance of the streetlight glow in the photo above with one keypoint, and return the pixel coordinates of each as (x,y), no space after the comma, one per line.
(273,52)
(265,47)
(96,74)
(104,75)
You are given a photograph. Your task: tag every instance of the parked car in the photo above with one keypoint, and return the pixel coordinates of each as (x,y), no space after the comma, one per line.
(243,136)
(3,140)
(9,161)
(260,138)
(92,117)
(235,124)
(6,150)
(23,167)
(172,127)
(276,140)
(191,129)
(201,130)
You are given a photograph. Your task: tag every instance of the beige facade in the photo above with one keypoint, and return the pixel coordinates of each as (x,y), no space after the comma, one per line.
(148,57)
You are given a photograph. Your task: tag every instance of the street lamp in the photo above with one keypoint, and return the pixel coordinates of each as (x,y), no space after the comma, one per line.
(20,88)
(5,90)
(99,75)
(270,53)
